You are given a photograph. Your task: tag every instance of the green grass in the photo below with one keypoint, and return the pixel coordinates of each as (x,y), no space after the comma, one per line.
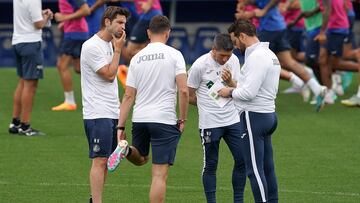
(317,155)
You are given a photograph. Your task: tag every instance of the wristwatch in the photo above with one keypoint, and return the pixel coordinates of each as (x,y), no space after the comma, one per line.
(231,91)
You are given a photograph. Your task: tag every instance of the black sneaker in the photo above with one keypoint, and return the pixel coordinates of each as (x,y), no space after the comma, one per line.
(14,129)
(30,132)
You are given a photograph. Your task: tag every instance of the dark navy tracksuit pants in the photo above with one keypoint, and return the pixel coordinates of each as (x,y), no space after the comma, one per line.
(210,139)
(256,147)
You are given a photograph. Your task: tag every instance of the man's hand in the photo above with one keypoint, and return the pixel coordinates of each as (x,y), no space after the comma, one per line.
(59,17)
(48,14)
(121,135)
(321,37)
(118,42)
(145,6)
(226,76)
(225,92)
(181,125)
(259,13)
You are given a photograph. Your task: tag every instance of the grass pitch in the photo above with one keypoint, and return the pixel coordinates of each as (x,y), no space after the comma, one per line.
(317,155)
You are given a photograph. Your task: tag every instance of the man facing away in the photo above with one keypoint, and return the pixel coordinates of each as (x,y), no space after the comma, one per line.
(255,96)
(155,74)
(29,19)
(100,97)
(217,121)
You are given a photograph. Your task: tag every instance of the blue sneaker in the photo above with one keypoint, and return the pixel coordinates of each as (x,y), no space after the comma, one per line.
(320,102)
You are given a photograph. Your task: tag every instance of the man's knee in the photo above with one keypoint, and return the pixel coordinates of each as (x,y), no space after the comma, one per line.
(141,161)
(160,172)
(210,167)
(99,162)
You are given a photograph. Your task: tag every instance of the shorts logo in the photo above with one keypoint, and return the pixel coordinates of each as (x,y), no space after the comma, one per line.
(243,135)
(96,148)
(207,137)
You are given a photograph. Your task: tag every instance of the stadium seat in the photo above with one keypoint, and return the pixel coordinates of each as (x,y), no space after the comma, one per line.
(7,56)
(203,41)
(49,48)
(179,40)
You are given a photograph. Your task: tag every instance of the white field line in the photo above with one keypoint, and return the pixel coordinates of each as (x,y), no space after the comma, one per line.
(345,194)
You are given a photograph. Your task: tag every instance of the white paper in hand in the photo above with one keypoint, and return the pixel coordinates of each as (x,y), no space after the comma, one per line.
(213,94)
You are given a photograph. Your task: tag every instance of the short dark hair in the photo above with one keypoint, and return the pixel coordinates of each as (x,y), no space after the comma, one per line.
(242,26)
(159,24)
(112,12)
(223,41)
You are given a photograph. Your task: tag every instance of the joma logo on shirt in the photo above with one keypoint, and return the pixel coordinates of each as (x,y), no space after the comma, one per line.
(276,62)
(151,57)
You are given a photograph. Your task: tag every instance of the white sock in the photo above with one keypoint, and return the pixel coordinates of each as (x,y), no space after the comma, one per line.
(358,93)
(296,81)
(314,86)
(310,71)
(69,97)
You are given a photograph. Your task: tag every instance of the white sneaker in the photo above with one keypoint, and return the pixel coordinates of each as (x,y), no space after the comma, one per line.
(305,93)
(337,84)
(352,101)
(313,100)
(292,90)
(330,97)
(320,102)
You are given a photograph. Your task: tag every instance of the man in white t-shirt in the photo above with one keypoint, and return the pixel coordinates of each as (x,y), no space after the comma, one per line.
(218,117)
(29,19)
(155,74)
(99,86)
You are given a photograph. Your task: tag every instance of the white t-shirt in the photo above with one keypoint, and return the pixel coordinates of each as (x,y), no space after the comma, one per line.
(152,73)
(259,80)
(100,97)
(26,13)
(204,70)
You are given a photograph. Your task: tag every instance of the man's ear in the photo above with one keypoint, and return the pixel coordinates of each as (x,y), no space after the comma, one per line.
(107,22)
(148,33)
(167,34)
(242,36)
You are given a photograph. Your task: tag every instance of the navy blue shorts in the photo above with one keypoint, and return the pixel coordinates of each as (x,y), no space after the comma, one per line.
(163,138)
(351,37)
(335,43)
(71,47)
(29,60)
(277,39)
(296,39)
(139,31)
(312,47)
(101,134)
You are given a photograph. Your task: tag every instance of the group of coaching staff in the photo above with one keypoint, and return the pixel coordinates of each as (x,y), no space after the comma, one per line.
(250,90)
(245,118)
